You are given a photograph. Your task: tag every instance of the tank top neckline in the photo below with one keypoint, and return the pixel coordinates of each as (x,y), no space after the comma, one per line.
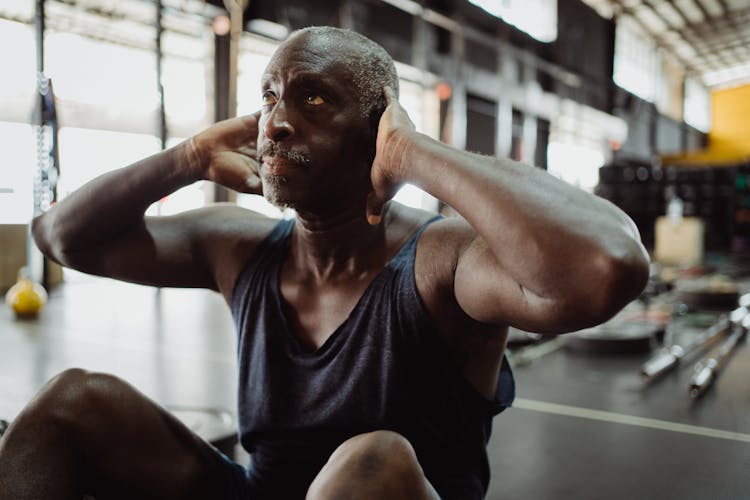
(332,339)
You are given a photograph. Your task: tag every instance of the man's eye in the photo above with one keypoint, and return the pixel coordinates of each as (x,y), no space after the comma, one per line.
(269,99)
(314,100)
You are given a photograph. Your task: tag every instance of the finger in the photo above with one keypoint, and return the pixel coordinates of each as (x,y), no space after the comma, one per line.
(250,125)
(237,172)
(251,119)
(253,183)
(374,211)
(248,150)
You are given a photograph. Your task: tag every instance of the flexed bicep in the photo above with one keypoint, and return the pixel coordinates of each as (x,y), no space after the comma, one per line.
(489,294)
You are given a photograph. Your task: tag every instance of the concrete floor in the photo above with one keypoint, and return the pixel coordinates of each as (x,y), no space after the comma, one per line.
(583,426)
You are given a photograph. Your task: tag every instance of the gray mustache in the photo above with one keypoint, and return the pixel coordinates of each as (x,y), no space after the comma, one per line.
(271,148)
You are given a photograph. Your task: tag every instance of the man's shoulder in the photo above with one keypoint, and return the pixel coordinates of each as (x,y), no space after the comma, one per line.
(440,227)
(228,235)
(231,221)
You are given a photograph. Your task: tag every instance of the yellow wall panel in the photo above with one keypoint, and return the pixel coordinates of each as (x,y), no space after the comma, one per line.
(730,116)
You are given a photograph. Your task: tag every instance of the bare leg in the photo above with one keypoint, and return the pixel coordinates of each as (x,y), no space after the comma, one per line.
(376,465)
(88,433)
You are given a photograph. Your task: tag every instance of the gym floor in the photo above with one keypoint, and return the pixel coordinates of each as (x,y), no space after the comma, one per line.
(583,426)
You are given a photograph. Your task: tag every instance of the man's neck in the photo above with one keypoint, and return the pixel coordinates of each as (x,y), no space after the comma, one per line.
(328,247)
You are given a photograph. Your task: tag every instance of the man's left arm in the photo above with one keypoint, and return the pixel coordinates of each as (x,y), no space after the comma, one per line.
(540,254)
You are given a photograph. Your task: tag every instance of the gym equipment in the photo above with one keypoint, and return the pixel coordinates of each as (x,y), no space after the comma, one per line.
(619,337)
(526,355)
(707,370)
(518,338)
(26,297)
(716,292)
(669,357)
(46,127)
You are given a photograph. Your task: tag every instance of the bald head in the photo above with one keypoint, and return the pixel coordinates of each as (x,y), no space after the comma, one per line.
(371,67)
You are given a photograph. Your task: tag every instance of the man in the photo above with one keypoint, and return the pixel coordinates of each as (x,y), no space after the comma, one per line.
(371,335)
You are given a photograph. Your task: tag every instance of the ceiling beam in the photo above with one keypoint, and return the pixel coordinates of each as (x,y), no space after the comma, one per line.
(736,17)
(680,12)
(621,8)
(736,50)
(653,8)
(719,40)
(704,51)
(702,8)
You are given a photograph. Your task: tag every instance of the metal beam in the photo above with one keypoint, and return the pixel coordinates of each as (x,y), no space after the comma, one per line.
(724,6)
(732,48)
(710,25)
(651,6)
(719,41)
(658,39)
(467,32)
(680,12)
(159,70)
(703,10)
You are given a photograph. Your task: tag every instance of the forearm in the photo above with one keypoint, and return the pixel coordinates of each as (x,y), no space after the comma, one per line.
(113,203)
(552,237)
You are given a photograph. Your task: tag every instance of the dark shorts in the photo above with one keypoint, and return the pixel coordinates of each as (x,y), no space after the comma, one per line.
(236,480)
(245,483)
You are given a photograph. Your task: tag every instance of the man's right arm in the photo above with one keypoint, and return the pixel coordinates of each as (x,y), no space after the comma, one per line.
(101,228)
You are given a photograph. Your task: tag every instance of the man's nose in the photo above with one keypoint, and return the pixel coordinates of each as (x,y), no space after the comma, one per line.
(278,126)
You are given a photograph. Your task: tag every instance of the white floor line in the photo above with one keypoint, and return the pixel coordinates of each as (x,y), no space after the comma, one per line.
(620,418)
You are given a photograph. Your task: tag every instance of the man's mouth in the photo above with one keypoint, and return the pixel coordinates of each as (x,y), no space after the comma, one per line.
(276,165)
(273,154)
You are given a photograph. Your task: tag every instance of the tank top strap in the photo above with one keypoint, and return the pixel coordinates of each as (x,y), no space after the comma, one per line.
(268,254)
(407,252)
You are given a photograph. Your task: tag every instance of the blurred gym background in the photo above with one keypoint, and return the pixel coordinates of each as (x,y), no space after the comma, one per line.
(643,102)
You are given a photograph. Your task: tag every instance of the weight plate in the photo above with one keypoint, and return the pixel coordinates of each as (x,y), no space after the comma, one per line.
(621,338)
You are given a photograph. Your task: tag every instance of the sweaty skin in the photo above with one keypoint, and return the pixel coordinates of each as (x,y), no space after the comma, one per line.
(528,250)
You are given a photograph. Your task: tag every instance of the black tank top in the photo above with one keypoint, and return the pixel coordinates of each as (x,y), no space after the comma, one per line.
(385,367)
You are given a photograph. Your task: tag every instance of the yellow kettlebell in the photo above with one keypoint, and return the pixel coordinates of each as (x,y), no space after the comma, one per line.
(26,297)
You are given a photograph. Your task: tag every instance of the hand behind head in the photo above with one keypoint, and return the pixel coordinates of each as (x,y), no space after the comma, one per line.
(226,153)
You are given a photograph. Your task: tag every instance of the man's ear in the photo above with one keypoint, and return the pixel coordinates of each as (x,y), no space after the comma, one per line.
(376,112)
(373,120)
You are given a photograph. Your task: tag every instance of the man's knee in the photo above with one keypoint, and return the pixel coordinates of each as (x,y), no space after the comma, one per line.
(376,452)
(76,398)
(375,463)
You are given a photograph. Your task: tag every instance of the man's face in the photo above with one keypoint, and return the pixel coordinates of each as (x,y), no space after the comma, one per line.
(313,142)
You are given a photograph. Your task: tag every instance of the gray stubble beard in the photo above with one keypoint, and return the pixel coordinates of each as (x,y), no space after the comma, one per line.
(273,182)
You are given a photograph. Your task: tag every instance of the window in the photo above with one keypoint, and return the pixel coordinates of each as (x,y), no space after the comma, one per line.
(538,18)
(576,164)
(17,139)
(103,71)
(637,65)
(697,105)
(579,143)
(17,172)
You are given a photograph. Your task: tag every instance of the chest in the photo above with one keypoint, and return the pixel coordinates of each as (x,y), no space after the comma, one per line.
(315,310)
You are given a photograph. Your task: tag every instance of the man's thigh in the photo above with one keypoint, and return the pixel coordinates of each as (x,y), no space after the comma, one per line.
(118,442)
(152,454)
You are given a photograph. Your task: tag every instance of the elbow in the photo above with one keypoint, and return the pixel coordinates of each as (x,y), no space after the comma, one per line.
(46,238)
(623,276)
(617,279)
(40,232)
